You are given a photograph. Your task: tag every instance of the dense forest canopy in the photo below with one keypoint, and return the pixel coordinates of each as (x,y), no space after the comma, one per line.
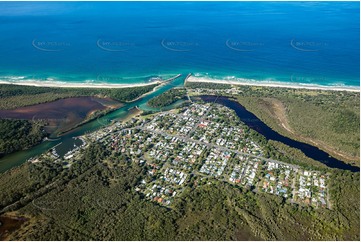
(13,96)
(22,134)
(167,98)
(325,118)
(19,134)
(96,201)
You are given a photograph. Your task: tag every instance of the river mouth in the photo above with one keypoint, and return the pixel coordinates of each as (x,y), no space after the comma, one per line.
(67,140)
(256,124)
(247,117)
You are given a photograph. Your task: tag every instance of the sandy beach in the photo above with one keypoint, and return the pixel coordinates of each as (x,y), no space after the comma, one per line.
(246,82)
(77,85)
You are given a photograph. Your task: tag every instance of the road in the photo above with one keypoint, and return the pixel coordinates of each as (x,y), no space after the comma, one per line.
(209,145)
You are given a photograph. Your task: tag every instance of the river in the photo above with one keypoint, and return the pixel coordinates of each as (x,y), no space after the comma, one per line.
(66,142)
(253,122)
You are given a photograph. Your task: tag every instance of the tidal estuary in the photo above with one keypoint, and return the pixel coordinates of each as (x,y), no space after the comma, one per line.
(67,141)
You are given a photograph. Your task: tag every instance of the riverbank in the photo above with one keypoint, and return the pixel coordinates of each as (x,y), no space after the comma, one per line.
(250,82)
(92,116)
(147,93)
(280,113)
(327,119)
(251,120)
(17,158)
(162,83)
(77,84)
(132,113)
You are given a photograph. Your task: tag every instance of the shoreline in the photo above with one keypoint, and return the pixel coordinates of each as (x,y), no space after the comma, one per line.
(190,78)
(251,82)
(77,85)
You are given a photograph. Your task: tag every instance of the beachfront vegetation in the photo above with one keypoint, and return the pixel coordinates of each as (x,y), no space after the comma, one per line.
(19,135)
(328,119)
(167,98)
(14,96)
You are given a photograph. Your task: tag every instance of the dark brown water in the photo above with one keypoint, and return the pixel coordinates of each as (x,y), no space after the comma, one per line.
(62,114)
(9,224)
(255,123)
(66,141)
(60,109)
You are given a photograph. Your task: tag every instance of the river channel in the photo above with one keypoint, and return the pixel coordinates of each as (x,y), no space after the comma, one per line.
(67,141)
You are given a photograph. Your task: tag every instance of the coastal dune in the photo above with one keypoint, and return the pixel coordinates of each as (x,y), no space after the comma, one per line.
(76,85)
(250,82)
(190,78)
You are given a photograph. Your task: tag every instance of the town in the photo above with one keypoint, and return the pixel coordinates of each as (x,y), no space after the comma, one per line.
(205,141)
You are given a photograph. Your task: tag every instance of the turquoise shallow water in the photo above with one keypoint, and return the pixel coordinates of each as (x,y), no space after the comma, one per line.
(124,42)
(66,141)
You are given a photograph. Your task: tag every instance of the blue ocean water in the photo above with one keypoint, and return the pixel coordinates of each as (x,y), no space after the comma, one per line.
(130,42)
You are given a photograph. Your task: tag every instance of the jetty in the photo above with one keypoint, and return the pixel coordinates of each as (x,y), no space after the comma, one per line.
(172,78)
(187,77)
